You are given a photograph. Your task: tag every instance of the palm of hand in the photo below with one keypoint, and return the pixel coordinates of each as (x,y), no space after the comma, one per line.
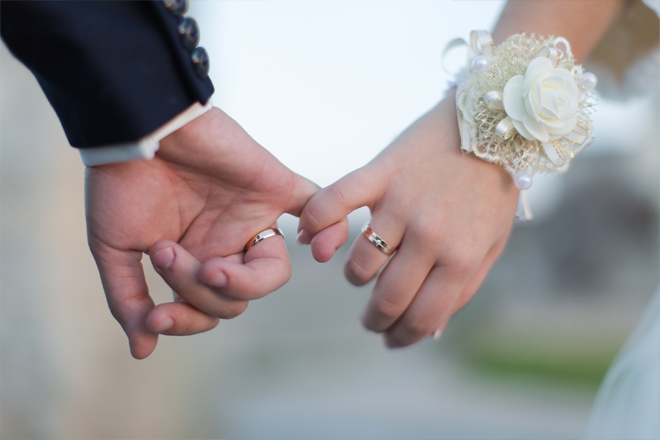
(208,191)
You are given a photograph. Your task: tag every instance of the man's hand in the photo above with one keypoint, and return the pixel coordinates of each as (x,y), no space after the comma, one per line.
(192,208)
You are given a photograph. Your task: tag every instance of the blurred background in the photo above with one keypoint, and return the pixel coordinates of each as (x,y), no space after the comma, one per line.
(325,86)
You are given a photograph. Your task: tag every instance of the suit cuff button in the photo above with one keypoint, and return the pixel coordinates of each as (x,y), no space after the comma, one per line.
(200,59)
(176,7)
(189,32)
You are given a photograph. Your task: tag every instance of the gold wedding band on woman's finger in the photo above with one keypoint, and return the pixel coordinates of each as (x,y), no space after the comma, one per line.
(261,236)
(376,240)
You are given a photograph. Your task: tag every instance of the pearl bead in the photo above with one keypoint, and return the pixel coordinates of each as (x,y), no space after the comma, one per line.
(522,180)
(588,80)
(480,64)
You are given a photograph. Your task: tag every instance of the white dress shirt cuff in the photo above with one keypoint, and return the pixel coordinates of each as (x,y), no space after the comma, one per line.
(144,148)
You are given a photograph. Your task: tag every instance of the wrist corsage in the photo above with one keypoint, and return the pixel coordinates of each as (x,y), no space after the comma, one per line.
(524,104)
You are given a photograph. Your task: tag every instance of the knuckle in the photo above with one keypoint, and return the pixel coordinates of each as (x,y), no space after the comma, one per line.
(129,305)
(397,217)
(427,234)
(209,323)
(356,272)
(232,310)
(341,193)
(383,308)
(462,260)
(312,217)
(185,328)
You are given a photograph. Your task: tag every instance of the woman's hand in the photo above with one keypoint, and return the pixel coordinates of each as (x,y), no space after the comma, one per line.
(449,214)
(192,208)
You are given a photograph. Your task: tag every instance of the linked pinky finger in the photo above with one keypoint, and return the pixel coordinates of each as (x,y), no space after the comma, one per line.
(326,242)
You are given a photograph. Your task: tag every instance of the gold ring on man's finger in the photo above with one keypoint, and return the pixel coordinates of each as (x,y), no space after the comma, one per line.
(261,236)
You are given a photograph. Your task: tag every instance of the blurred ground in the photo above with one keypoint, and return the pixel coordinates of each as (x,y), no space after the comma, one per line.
(521,362)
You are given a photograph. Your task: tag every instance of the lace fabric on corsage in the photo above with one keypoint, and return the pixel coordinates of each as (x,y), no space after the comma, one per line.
(524,104)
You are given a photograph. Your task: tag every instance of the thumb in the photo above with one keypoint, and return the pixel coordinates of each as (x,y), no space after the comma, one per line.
(323,222)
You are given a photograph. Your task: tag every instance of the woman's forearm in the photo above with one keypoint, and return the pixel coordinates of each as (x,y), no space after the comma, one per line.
(582,22)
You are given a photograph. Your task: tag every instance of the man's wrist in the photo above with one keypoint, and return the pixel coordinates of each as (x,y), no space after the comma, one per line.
(146,147)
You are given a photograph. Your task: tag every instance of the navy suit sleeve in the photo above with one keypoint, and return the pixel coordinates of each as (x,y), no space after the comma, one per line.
(114,71)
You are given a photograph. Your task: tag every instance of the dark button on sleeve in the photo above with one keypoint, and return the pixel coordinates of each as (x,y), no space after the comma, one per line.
(189,32)
(176,7)
(200,60)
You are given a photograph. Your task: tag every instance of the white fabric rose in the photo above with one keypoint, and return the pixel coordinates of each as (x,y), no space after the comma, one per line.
(542,104)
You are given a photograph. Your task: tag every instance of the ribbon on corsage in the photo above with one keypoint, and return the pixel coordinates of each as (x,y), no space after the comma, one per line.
(524,104)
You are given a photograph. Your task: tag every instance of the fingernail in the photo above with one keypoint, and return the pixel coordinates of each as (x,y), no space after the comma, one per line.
(303,237)
(219,279)
(438,332)
(163,259)
(164,325)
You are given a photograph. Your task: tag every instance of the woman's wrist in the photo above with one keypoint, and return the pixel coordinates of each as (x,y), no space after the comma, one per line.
(524,104)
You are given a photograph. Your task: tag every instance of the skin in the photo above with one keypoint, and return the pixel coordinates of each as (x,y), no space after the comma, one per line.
(192,209)
(450,214)
(211,187)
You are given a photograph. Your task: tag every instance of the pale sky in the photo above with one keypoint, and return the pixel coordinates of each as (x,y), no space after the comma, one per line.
(326,85)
